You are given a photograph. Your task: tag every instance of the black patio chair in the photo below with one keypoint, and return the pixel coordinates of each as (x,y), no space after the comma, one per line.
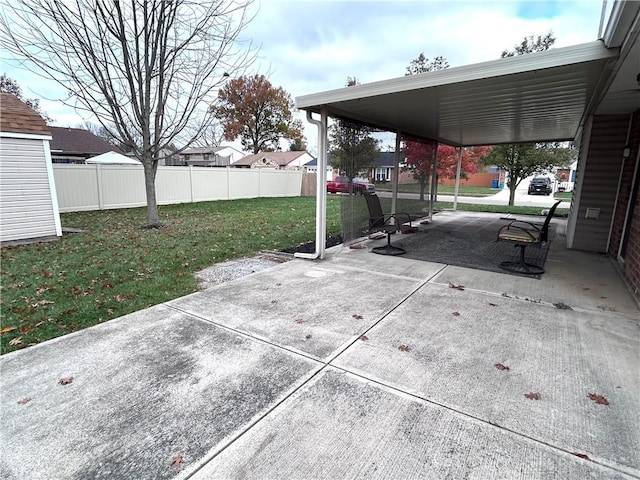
(524,234)
(389,224)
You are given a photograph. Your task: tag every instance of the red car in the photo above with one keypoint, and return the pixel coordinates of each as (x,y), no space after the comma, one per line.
(342,184)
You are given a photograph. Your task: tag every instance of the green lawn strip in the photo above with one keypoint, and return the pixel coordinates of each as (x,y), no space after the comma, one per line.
(563,195)
(464,191)
(115,267)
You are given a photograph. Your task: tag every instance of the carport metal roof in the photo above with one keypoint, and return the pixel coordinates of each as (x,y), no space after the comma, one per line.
(528,98)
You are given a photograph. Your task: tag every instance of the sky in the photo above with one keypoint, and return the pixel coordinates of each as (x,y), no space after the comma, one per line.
(310,46)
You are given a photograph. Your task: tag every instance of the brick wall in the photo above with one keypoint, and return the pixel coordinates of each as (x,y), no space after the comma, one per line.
(475,180)
(631,255)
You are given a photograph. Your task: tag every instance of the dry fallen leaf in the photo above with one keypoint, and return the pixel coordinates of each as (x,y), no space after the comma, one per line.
(598,399)
(24,401)
(364,338)
(500,366)
(581,455)
(65,380)
(532,396)
(404,348)
(177,461)
(7,330)
(357,317)
(455,314)
(457,287)
(15,341)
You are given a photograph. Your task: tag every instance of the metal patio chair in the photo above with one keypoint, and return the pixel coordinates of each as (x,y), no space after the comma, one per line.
(389,224)
(524,234)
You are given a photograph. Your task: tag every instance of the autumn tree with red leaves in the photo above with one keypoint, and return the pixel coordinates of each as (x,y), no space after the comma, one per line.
(419,158)
(448,160)
(259,113)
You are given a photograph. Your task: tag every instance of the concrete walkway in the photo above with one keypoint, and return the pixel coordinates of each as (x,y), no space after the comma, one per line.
(358,366)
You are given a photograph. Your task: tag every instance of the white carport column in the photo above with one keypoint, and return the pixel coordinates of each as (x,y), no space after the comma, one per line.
(395,174)
(321,187)
(434,181)
(457,187)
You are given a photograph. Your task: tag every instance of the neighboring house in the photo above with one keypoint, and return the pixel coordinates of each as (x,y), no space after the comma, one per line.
(210,156)
(383,165)
(275,160)
(29,205)
(75,145)
(312,166)
(168,157)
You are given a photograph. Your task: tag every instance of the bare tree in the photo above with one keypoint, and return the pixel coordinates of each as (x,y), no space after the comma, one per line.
(146,69)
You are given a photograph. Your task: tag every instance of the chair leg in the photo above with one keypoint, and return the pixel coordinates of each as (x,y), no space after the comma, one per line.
(389,249)
(521,266)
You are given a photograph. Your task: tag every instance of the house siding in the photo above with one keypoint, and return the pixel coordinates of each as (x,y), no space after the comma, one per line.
(27,208)
(598,176)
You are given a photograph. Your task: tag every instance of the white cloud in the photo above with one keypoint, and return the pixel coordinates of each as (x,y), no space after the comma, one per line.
(309,46)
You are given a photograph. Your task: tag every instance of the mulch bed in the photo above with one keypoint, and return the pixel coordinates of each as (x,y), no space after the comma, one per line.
(310,247)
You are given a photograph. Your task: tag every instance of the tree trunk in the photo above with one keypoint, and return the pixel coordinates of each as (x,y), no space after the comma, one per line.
(423,186)
(153,220)
(512,194)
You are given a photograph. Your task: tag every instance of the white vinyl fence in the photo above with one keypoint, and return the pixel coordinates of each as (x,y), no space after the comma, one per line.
(101,187)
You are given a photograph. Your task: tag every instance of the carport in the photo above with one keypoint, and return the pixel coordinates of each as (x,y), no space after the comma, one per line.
(557,95)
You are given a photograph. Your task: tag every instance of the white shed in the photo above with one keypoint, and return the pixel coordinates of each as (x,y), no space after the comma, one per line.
(28,202)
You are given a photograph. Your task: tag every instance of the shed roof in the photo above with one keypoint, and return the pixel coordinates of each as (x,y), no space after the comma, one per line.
(18,117)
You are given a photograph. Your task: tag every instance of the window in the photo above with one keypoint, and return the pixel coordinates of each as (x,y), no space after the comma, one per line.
(382,174)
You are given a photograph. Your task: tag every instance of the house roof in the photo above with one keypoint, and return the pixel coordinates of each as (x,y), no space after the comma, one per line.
(535,97)
(79,142)
(386,159)
(18,117)
(201,150)
(280,158)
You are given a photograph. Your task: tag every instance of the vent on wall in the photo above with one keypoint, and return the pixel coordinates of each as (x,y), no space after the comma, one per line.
(592,213)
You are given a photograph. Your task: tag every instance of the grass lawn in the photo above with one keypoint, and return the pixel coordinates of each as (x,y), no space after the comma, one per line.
(115,267)
(562,195)
(464,191)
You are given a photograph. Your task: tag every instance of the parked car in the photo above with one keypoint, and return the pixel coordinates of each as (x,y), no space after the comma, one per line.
(342,184)
(540,185)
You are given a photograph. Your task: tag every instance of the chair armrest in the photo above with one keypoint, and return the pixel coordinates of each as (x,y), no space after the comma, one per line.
(519,224)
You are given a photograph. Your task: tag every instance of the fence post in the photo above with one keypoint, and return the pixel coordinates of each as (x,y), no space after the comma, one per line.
(99,180)
(191,182)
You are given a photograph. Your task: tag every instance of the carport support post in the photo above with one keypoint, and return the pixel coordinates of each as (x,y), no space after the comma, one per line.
(321,187)
(457,187)
(395,174)
(434,181)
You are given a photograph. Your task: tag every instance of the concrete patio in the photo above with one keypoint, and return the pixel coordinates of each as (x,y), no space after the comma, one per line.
(358,366)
